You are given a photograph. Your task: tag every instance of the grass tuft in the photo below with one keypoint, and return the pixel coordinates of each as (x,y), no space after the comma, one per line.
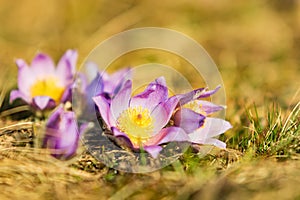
(271,134)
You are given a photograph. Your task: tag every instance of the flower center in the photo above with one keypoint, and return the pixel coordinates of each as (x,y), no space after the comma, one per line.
(47,87)
(137,123)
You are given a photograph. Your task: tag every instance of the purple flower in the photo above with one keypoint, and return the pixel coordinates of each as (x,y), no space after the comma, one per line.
(112,83)
(102,84)
(42,85)
(141,120)
(193,108)
(62,134)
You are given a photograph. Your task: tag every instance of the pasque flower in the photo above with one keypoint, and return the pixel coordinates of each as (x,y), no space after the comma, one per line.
(191,107)
(62,133)
(43,85)
(141,120)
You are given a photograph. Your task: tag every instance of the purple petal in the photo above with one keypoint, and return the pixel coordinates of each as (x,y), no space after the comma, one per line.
(43,102)
(187,97)
(124,138)
(212,127)
(208,93)
(26,77)
(188,119)
(67,65)
(69,130)
(68,142)
(121,101)
(83,128)
(162,113)
(21,64)
(69,136)
(42,66)
(155,93)
(118,133)
(62,134)
(105,76)
(161,81)
(104,109)
(168,134)
(113,82)
(215,142)
(153,150)
(67,95)
(217,126)
(15,94)
(209,107)
(54,118)
(196,94)
(95,88)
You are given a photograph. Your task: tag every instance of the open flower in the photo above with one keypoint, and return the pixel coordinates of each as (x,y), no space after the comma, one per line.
(62,134)
(141,120)
(42,85)
(210,127)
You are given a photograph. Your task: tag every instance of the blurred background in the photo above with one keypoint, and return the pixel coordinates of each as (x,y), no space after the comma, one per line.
(255,44)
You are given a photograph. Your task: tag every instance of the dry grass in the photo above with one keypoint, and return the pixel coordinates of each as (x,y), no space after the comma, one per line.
(227,174)
(32,173)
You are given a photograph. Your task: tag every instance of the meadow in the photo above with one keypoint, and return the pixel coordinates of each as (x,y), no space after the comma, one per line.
(256,46)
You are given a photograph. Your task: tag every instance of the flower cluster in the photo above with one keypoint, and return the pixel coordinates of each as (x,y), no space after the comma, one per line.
(144,121)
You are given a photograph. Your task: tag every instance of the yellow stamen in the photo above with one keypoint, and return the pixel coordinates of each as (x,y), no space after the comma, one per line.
(137,123)
(47,87)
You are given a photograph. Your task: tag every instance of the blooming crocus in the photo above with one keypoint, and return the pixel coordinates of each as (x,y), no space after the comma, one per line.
(141,120)
(43,85)
(192,106)
(62,134)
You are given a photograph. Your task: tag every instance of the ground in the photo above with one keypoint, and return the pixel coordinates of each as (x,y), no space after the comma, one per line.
(256,46)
